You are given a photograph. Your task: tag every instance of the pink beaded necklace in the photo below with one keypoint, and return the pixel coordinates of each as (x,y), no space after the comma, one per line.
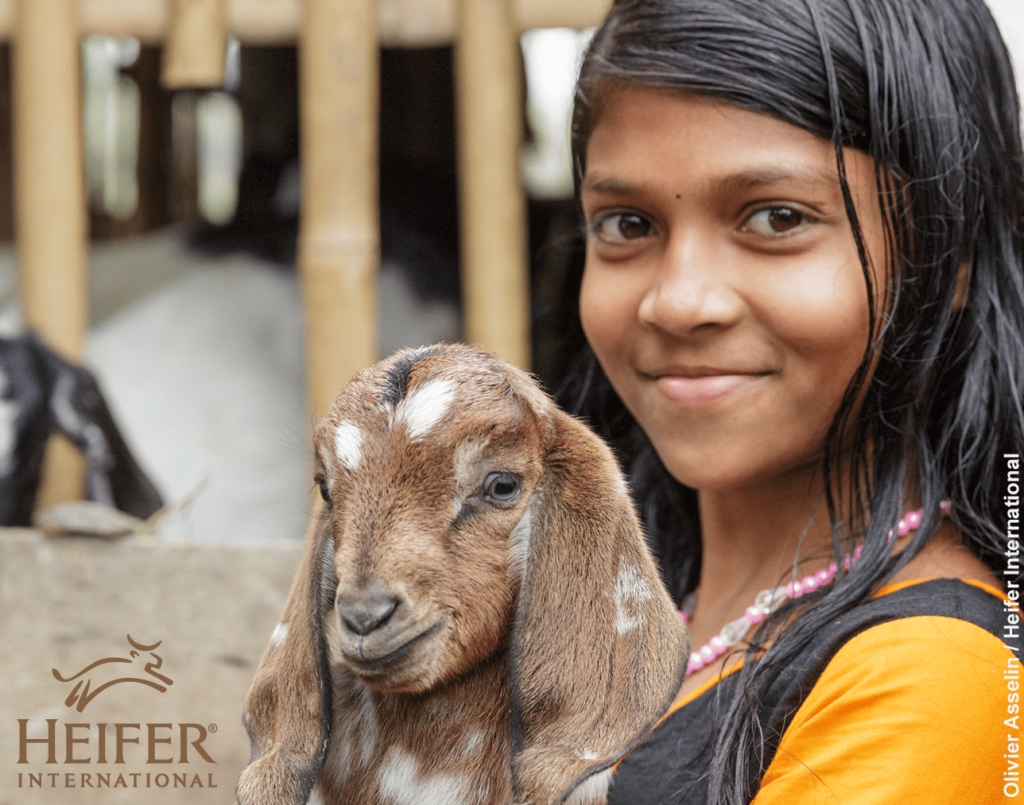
(767,601)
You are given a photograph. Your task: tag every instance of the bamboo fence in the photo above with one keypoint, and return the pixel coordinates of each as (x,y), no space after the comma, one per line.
(338,43)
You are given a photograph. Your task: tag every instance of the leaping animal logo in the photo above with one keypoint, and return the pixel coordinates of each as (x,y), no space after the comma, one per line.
(85,695)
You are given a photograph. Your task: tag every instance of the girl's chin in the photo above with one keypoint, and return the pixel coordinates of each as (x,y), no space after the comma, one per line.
(710,473)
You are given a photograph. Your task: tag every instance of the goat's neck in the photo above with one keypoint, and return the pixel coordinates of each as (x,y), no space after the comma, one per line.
(455,736)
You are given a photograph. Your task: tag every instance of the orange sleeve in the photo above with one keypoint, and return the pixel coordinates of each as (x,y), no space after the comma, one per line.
(908,711)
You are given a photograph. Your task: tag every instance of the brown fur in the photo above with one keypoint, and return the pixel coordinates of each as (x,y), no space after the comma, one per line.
(533,642)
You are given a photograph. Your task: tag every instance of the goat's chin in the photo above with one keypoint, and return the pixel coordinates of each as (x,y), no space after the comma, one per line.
(410,660)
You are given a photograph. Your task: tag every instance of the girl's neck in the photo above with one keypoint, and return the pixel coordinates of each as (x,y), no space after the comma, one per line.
(751,538)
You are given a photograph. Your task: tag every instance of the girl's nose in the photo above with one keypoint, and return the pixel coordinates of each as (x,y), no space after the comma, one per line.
(690,291)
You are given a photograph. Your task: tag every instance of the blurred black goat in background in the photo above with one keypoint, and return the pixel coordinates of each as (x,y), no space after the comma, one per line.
(41,393)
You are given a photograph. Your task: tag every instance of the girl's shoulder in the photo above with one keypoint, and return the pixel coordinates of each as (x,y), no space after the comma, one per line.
(917,701)
(964,599)
(875,688)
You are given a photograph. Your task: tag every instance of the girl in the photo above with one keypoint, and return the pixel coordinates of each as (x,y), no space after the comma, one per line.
(804,284)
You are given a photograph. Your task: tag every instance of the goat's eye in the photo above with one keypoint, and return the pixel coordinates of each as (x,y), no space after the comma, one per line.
(501,487)
(325,493)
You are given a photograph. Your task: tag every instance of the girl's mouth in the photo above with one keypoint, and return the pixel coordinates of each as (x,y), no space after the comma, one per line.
(704,389)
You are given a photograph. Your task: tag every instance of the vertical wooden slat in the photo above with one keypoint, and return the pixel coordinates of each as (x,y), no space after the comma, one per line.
(494,275)
(50,195)
(339,248)
(6,144)
(196,44)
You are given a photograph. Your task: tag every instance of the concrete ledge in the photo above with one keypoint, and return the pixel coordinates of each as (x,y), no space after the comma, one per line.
(67,603)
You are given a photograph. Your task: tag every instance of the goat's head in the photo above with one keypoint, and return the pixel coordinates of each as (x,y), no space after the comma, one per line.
(464,512)
(427,466)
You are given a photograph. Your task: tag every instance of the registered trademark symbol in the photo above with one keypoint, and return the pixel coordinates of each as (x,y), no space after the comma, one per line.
(212,728)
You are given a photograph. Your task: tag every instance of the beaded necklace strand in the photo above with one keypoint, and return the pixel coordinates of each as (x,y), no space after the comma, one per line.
(767,601)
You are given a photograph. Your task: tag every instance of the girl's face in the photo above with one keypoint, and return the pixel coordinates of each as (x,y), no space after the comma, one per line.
(723,293)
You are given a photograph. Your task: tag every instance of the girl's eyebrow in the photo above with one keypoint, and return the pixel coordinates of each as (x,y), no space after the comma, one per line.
(743,180)
(804,175)
(605,185)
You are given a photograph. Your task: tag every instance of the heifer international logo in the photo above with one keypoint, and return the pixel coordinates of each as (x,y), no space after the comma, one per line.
(126,746)
(88,695)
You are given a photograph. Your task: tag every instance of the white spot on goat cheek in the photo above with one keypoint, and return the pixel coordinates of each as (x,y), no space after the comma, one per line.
(425,407)
(631,591)
(278,635)
(348,441)
(402,784)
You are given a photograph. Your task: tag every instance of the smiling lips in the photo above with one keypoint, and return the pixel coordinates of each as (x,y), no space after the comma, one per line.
(702,387)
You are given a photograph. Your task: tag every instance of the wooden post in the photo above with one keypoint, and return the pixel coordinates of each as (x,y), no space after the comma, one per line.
(196,44)
(494,267)
(49,178)
(339,241)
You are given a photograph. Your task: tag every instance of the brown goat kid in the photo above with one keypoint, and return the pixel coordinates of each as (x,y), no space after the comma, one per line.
(477,618)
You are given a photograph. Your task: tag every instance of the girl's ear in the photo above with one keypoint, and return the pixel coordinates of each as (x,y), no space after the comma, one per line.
(288,708)
(598,650)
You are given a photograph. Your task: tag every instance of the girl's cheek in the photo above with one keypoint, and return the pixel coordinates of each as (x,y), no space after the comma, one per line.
(603,310)
(825,311)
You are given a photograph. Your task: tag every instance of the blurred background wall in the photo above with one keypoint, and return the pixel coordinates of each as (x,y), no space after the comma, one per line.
(195,305)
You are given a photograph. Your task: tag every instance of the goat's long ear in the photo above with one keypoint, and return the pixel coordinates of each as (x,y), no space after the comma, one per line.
(288,708)
(598,648)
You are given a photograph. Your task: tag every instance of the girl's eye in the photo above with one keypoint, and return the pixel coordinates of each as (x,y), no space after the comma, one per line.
(621,227)
(774,222)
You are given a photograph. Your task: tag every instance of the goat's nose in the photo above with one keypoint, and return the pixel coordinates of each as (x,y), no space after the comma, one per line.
(368,613)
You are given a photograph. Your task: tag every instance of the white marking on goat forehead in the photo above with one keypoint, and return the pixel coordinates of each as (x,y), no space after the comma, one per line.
(631,591)
(402,783)
(425,407)
(348,442)
(279,633)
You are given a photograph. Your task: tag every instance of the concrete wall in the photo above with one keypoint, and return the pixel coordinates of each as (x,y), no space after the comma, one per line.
(67,603)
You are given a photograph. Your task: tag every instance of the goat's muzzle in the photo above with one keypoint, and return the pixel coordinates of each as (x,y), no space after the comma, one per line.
(384,640)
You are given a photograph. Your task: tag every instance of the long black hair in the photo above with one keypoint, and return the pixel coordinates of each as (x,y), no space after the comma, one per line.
(926,89)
